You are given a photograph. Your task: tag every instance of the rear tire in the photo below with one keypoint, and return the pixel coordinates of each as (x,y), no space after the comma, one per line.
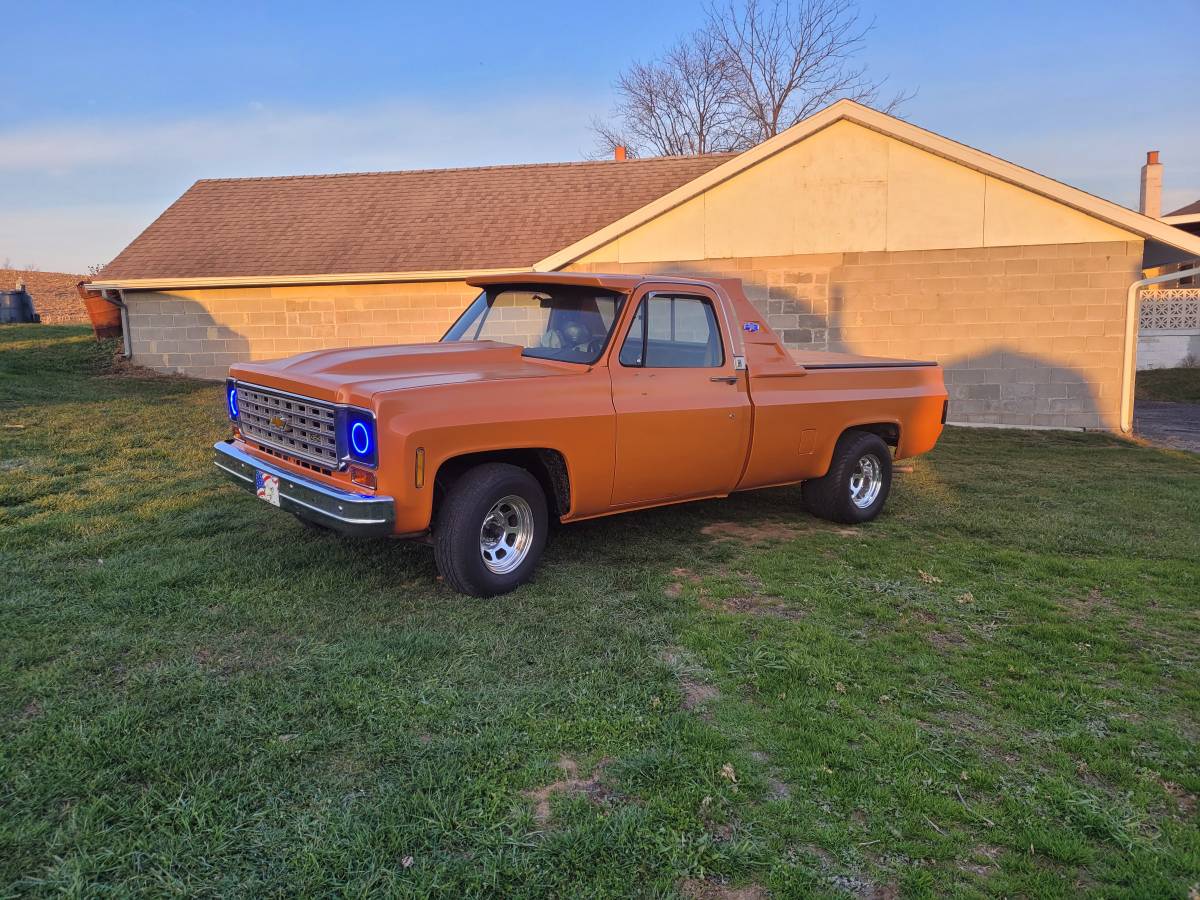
(490,530)
(858,481)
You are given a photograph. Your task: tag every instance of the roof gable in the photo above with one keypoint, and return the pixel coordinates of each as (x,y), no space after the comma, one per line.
(852,189)
(456,220)
(1005,174)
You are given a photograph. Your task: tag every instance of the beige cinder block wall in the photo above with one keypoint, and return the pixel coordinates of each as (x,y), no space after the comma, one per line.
(854,240)
(202,332)
(1028,335)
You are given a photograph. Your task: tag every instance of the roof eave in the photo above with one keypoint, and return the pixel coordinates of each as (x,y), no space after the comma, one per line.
(1186,219)
(229,281)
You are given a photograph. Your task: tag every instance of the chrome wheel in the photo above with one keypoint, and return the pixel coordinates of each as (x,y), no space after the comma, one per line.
(867,481)
(506,535)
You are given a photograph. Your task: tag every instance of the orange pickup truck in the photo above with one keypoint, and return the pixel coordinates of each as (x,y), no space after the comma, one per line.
(570,396)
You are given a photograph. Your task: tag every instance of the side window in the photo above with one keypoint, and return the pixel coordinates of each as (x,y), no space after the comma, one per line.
(631,350)
(674,333)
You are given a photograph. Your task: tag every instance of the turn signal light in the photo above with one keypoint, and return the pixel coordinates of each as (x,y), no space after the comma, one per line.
(420,474)
(362,477)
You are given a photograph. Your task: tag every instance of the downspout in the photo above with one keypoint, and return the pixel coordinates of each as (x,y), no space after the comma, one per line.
(1131,336)
(117,298)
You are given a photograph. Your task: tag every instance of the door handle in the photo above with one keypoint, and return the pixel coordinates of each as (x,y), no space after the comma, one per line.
(728,379)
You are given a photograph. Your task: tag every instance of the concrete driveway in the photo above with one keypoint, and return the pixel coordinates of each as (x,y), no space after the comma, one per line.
(1168,424)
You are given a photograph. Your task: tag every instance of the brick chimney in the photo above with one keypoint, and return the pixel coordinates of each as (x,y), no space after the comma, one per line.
(1150,203)
(619,152)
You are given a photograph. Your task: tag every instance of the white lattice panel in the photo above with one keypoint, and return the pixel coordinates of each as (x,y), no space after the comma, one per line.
(1175,309)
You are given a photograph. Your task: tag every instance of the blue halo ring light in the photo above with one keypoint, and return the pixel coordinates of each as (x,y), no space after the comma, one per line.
(357,436)
(360,439)
(231,400)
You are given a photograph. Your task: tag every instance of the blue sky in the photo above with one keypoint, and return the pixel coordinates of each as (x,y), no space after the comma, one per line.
(108,111)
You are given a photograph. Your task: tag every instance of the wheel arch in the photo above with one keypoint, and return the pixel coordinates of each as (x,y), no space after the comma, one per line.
(546,464)
(889,431)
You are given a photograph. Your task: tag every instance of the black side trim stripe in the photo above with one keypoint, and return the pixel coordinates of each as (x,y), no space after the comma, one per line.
(870,365)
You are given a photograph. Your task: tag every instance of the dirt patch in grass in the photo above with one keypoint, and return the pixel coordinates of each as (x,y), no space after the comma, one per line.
(237,661)
(884,892)
(32,710)
(122,367)
(946,641)
(770,532)
(863,887)
(696,691)
(965,729)
(697,694)
(571,784)
(697,889)
(1185,801)
(754,602)
(852,884)
(916,614)
(1082,607)
(778,790)
(681,577)
(822,856)
(755,605)
(753,532)
(982,860)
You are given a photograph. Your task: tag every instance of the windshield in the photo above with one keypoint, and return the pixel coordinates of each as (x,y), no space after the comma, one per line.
(562,322)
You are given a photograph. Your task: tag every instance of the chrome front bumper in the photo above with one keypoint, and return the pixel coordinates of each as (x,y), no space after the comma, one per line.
(354,514)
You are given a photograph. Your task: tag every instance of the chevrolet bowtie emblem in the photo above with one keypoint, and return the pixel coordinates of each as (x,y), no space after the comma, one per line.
(279,422)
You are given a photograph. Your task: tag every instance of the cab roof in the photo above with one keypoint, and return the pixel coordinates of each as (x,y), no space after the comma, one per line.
(611,282)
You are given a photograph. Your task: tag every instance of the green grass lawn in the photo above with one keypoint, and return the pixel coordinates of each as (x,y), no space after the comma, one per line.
(1169,385)
(992,690)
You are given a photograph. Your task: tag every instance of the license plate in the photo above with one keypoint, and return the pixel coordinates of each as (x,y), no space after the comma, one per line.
(267,487)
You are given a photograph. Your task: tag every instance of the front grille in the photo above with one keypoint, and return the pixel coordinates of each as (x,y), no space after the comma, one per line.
(296,425)
(295,460)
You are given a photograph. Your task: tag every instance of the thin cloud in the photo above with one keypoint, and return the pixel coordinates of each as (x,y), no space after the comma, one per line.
(262,138)
(76,193)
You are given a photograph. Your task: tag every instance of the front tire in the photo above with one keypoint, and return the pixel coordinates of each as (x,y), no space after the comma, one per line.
(858,481)
(490,530)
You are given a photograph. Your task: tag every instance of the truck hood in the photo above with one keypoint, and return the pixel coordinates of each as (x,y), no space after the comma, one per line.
(355,375)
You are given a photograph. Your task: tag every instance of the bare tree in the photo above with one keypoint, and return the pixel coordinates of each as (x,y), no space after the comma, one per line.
(790,59)
(681,104)
(758,67)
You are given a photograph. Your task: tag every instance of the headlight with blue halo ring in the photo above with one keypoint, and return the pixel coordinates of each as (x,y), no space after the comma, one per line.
(357,436)
(231,399)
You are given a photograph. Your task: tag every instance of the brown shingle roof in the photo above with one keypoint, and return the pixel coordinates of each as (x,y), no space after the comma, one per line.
(1190,209)
(416,221)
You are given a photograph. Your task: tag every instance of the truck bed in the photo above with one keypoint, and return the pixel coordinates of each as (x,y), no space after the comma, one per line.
(819,359)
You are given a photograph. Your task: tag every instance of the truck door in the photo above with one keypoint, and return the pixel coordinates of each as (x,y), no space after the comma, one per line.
(683,411)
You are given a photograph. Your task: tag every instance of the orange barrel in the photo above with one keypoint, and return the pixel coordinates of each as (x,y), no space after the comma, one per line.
(105,316)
